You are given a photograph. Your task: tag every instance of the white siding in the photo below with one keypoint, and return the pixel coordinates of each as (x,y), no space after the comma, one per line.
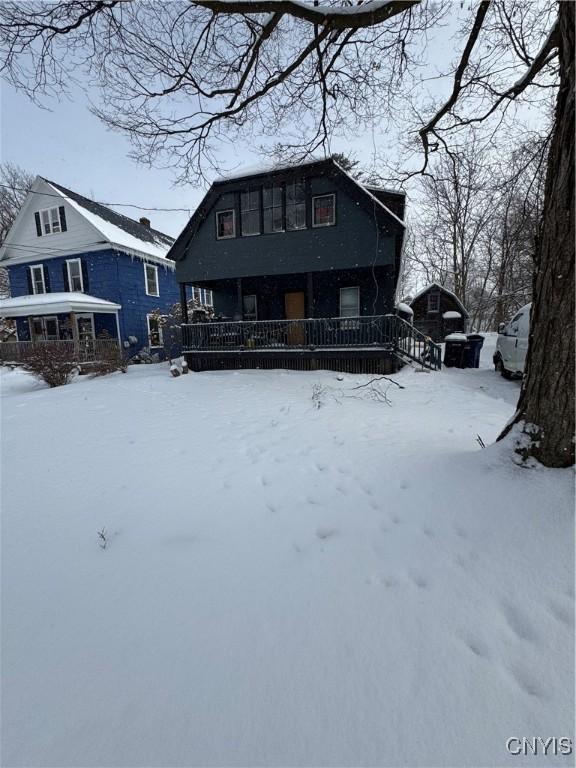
(80,235)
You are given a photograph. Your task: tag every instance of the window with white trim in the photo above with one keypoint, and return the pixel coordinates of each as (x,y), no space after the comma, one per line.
(433,302)
(37,278)
(151,278)
(50,218)
(75,279)
(154,331)
(350,301)
(324,210)
(225,224)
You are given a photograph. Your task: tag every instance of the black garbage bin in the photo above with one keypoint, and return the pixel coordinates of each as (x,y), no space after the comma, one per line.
(475,342)
(456,350)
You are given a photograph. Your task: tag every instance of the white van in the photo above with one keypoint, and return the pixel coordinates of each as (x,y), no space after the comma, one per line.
(512,345)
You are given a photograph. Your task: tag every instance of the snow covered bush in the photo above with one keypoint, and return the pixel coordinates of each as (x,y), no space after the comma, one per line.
(53,363)
(111,360)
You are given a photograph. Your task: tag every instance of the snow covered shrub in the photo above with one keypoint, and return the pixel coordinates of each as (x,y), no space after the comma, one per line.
(53,363)
(111,360)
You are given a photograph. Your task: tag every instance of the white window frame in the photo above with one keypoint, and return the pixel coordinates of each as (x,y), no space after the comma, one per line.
(349,288)
(79,262)
(160,334)
(155,268)
(44,319)
(226,237)
(326,224)
(33,281)
(49,211)
(429,309)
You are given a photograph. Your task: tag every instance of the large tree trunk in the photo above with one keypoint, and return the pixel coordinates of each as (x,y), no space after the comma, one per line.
(545,413)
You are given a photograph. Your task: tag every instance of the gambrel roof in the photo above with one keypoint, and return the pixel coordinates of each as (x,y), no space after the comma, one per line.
(377,200)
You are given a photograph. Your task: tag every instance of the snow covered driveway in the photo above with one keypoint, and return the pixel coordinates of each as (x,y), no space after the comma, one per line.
(283,585)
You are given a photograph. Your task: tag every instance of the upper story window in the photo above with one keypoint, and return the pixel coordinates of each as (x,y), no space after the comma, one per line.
(225,224)
(50,221)
(250,212)
(75,281)
(296,205)
(273,214)
(37,278)
(151,278)
(324,210)
(433,302)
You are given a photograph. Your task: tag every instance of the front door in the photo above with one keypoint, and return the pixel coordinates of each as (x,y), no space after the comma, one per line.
(294,305)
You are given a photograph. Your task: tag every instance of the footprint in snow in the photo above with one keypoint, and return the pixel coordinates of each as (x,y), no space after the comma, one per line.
(520,624)
(419,580)
(562,613)
(526,681)
(323,532)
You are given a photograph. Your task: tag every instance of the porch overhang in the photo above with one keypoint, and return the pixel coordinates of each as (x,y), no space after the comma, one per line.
(55,304)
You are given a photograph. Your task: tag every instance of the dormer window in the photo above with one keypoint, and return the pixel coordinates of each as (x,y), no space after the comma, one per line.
(250,211)
(50,221)
(225,224)
(324,210)
(296,205)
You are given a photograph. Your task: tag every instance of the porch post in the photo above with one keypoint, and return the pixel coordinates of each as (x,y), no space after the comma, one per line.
(75,335)
(310,294)
(118,331)
(239,307)
(183,302)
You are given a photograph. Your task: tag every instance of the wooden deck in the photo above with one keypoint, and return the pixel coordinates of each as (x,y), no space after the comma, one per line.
(367,344)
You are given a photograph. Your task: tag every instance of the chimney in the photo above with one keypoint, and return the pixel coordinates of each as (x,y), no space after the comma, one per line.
(145,222)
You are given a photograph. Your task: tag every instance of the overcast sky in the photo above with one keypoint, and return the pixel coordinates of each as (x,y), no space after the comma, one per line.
(71,146)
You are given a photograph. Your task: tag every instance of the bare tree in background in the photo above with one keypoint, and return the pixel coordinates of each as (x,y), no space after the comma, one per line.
(14,185)
(179,78)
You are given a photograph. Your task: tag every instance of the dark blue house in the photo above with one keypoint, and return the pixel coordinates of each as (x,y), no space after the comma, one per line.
(303,262)
(79,270)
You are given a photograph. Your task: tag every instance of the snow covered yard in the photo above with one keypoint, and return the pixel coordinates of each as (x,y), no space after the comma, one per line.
(283,585)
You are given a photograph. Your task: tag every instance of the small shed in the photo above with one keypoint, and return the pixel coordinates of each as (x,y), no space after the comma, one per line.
(438,312)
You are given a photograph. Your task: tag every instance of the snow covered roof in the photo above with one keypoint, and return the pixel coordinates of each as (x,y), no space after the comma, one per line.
(424,290)
(451,315)
(116,228)
(54,303)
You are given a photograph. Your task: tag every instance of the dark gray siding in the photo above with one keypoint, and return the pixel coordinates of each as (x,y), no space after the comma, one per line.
(376,293)
(356,240)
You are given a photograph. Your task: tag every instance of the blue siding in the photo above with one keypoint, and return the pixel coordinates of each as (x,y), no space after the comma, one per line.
(114,276)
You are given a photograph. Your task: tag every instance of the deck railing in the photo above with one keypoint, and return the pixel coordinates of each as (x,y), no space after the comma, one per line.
(321,333)
(85,351)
